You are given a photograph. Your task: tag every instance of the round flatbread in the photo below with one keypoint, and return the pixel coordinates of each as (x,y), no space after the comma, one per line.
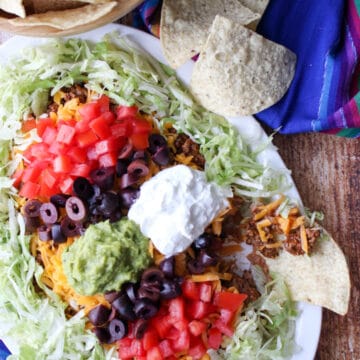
(239,72)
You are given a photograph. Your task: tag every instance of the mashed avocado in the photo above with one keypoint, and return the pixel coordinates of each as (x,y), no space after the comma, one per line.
(105,257)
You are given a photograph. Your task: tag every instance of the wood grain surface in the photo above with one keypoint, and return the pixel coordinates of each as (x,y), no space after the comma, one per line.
(326,170)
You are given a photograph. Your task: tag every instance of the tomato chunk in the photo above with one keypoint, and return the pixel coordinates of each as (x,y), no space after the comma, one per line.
(228,300)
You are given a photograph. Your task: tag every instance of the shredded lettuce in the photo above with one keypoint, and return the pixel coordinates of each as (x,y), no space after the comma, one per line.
(266,328)
(128,76)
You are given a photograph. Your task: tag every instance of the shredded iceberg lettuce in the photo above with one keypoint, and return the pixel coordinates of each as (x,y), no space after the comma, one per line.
(266,328)
(128,76)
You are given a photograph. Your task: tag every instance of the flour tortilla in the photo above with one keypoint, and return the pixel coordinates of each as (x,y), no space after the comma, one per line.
(185,25)
(42,6)
(67,19)
(13,7)
(240,72)
(321,279)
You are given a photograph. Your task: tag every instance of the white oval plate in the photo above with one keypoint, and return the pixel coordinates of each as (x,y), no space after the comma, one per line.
(308,323)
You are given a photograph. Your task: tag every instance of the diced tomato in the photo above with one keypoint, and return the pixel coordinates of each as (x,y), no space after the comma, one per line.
(39,151)
(42,124)
(140,141)
(109,117)
(197,327)
(162,325)
(80,170)
(108,159)
(86,138)
(82,126)
(100,127)
(166,348)
(29,190)
(49,135)
(182,343)
(65,134)
(141,126)
(226,316)
(197,351)
(62,164)
(28,125)
(106,146)
(104,103)
(137,348)
(57,148)
(90,111)
(228,300)
(214,338)
(16,177)
(125,351)
(77,154)
(126,112)
(176,308)
(49,177)
(150,339)
(31,174)
(154,354)
(121,129)
(205,292)
(224,328)
(66,185)
(199,309)
(190,290)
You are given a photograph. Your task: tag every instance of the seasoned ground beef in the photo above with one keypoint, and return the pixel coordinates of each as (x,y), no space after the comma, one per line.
(293,242)
(75,91)
(188,147)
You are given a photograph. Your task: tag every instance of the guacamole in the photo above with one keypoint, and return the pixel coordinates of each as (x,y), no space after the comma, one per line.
(105,257)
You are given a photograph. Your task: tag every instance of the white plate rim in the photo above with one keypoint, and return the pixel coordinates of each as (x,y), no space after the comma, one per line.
(308,323)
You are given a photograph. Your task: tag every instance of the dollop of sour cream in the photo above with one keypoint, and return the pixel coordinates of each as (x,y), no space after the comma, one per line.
(176,205)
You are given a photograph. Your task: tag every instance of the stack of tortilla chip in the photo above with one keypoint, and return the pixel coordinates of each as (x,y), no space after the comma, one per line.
(51,17)
(238,72)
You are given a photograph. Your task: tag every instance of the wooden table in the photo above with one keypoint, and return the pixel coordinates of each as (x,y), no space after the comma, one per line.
(326,170)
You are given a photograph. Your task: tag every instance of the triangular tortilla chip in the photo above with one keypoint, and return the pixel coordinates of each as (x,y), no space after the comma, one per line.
(239,72)
(321,279)
(185,25)
(13,7)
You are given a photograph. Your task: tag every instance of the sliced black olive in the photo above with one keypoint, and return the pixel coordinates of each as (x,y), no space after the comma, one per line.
(111,296)
(131,290)
(70,228)
(109,202)
(115,216)
(75,209)
(32,208)
(117,329)
(151,292)
(138,167)
(203,241)
(102,334)
(56,234)
(139,328)
(124,307)
(152,276)
(128,196)
(206,259)
(82,188)
(99,315)
(59,200)
(167,266)
(195,266)
(170,289)
(140,154)
(126,152)
(145,309)
(31,224)
(121,167)
(127,180)
(156,141)
(103,177)
(49,213)
(162,156)
(44,233)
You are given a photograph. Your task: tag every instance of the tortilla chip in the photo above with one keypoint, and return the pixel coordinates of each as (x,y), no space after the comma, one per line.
(240,72)
(321,279)
(256,6)
(185,25)
(42,6)
(13,7)
(67,19)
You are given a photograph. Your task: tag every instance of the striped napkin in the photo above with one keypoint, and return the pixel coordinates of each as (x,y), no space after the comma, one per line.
(325,35)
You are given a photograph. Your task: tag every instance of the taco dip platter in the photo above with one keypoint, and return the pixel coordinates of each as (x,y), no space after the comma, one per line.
(135,224)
